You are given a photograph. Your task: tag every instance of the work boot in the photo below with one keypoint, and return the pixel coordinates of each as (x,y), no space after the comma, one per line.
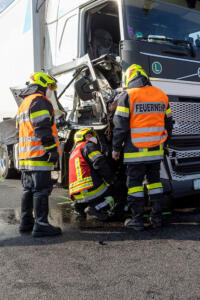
(156,214)
(27,220)
(45,229)
(42,227)
(100,209)
(97,214)
(79,210)
(136,222)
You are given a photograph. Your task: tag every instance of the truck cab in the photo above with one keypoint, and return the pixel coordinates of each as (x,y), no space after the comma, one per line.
(87,45)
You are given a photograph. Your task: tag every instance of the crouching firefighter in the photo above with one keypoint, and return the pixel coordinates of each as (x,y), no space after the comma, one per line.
(142,124)
(39,151)
(90,177)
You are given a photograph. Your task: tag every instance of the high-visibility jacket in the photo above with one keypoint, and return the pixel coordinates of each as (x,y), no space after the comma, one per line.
(86,183)
(80,175)
(147,116)
(139,122)
(30,146)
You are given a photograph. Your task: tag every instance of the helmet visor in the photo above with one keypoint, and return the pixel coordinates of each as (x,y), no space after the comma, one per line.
(52,86)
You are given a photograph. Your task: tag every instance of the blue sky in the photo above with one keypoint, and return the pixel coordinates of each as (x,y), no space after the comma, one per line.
(4,4)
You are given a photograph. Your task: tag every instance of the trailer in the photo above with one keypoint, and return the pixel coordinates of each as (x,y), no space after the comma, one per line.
(87,46)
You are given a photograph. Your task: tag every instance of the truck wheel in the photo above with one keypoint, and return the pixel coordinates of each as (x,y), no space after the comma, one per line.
(4,161)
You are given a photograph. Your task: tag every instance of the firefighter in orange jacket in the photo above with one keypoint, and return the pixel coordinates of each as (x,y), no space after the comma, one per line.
(90,177)
(142,124)
(38,151)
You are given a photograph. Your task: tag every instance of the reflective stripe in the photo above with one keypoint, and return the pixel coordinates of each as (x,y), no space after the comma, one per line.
(81,186)
(29,149)
(78,169)
(94,155)
(169,115)
(122,111)
(23,117)
(36,168)
(86,196)
(154,185)
(137,191)
(35,165)
(168,111)
(148,139)
(29,139)
(156,191)
(147,129)
(143,159)
(101,205)
(50,147)
(155,188)
(40,113)
(110,200)
(144,156)
(86,179)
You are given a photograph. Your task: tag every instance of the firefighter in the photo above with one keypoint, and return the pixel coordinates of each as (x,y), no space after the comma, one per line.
(90,177)
(38,152)
(142,124)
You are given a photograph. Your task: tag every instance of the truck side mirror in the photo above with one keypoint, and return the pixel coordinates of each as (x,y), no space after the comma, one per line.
(85,88)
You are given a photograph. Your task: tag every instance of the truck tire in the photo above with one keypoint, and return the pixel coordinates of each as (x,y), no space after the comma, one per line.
(4,161)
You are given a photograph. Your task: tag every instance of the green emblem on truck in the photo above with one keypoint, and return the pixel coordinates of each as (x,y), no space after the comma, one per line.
(156,67)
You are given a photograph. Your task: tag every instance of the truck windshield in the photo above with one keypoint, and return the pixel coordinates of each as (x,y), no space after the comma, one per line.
(162,22)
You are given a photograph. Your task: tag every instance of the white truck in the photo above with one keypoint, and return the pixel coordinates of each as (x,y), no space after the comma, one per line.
(87,45)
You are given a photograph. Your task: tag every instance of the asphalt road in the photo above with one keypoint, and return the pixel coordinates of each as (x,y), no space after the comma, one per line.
(97,261)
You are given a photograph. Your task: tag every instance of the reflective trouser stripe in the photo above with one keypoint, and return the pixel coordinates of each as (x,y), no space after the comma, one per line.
(137,191)
(86,196)
(155,188)
(101,205)
(110,200)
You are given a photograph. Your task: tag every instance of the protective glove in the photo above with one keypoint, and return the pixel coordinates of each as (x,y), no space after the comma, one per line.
(53,156)
(115,155)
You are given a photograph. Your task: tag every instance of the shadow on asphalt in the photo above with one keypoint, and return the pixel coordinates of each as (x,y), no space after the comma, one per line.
(182,224)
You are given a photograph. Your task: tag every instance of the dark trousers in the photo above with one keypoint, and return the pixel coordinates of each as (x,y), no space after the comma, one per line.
(137,173)
(37,186)
(37,183)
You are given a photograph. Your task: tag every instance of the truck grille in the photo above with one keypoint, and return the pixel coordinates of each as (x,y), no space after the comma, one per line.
(187,118)
(184,165)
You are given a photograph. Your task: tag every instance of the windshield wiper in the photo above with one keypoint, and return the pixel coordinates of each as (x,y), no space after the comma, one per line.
(151,38)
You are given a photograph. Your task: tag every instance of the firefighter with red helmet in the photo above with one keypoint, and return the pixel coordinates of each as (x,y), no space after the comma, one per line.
(90,177)
(142,124)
